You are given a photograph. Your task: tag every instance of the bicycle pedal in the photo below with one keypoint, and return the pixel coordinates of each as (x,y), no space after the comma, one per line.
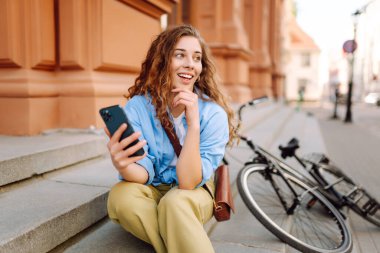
(370,207)
(352,193)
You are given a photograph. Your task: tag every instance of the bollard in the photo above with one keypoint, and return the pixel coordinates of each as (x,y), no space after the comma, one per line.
(335,115)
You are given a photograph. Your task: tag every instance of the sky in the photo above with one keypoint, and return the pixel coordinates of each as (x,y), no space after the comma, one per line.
(328,22)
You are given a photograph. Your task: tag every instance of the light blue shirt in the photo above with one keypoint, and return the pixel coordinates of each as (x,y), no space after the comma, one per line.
(214,135)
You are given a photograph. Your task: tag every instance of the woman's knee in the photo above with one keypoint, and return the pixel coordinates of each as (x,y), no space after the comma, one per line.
(123,199)
(194,204)
(176,201)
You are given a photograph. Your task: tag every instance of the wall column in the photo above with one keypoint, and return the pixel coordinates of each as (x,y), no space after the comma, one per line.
(221,24)
(101,51)
(257,25)
(28,89)
(276,45)
(61,60)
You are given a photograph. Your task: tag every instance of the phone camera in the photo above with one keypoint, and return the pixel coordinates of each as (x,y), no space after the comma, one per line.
(106,115)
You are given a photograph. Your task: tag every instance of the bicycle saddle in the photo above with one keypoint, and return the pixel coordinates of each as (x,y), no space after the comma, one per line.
(290,149)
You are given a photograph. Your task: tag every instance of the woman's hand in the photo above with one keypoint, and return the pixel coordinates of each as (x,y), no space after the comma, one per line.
(189,166)
(122,159)
(189,100)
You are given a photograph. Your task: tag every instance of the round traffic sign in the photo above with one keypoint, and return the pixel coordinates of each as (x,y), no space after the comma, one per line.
(349,46)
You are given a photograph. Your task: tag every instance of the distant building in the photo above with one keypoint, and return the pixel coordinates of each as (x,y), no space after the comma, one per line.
(367,56)
(301,65)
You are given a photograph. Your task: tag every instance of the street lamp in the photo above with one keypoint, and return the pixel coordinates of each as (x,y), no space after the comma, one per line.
(353,45)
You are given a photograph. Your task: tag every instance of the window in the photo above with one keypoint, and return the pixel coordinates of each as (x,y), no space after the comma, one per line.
(164,21)
(302,84)
(305,60)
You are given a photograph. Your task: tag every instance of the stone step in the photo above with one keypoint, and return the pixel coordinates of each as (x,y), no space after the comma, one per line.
(105,236)
(305,128)
(42,213)
(24,157)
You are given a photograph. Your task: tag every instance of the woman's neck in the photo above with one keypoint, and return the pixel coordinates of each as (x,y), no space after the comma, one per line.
(176,111)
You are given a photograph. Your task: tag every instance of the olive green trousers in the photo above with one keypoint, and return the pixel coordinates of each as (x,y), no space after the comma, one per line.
(170,219)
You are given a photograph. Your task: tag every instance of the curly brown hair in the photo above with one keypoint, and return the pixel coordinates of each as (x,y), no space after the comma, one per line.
(155,78)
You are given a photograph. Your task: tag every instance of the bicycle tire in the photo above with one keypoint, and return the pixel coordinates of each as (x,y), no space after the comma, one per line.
(322,228)
(358,201)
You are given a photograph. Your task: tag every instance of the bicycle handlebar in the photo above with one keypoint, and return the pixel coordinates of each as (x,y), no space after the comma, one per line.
(248,141)
(251,103)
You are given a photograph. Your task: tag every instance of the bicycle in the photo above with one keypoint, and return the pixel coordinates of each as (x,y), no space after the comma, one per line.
(288,204)
(336,186)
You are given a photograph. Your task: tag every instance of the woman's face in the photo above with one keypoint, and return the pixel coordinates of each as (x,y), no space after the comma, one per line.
(186,62)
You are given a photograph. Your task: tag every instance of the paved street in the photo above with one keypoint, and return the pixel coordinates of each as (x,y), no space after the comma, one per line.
(355,148)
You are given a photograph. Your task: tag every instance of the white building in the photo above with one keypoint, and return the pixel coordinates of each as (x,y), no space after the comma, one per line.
(367,57)
(301,65)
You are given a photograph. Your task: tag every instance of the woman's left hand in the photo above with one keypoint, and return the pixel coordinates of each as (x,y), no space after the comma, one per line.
(190,100)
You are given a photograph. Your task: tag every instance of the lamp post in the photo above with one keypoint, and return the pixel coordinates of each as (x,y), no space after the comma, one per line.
(353,45)
(355,17)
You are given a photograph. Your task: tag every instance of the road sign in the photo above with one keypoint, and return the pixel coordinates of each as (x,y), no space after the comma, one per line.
(349,46)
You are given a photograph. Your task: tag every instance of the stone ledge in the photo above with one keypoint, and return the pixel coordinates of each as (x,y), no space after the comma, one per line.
(24,157)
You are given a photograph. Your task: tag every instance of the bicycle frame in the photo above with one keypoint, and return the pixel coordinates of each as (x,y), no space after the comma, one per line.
(278,166)
(334,196)
(317,165)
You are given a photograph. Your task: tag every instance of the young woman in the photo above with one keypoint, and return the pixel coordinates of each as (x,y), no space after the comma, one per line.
(160,199)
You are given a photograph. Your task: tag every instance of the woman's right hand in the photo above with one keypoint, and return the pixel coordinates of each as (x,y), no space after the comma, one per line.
(122,159)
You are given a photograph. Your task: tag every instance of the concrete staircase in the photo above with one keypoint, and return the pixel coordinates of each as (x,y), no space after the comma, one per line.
(52,187)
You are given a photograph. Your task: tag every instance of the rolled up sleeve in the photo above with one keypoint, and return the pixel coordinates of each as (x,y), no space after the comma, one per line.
(214,138)
(147,163)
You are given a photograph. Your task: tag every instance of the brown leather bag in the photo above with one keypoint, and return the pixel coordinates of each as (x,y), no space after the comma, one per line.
(223,201)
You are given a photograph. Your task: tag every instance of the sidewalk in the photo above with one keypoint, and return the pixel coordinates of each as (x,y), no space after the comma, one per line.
(354,147)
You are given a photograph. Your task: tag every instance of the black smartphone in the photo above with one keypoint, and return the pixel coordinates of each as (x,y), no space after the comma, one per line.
(113,117)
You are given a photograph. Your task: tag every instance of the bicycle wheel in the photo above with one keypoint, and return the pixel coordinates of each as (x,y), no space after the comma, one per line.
(357,198)
(316,228)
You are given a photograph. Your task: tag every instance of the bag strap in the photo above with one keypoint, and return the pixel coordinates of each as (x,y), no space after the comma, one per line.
(169,129)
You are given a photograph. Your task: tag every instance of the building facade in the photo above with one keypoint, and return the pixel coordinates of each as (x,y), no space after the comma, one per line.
(302,65)
(62,60)
(367,56)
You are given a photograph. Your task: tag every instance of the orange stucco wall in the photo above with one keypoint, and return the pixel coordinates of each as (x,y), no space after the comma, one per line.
(62,60)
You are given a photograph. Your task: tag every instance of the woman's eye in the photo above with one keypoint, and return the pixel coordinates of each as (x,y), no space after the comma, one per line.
(179,55)
(197,58)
